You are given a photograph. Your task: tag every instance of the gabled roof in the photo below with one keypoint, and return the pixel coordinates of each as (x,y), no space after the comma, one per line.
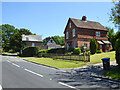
(87,24)
(37,38)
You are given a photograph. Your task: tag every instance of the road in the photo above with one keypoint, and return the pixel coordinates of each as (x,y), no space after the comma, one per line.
(17,73)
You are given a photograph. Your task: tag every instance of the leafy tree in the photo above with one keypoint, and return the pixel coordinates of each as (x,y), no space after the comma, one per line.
(7,32)
(117,49)
(115,13)
(111,36)
(16,40)
(93,46)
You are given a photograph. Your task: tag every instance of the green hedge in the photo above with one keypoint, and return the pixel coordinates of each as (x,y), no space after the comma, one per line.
(98,51)
(57,50)
(30,51)
(77,51)
(117,49)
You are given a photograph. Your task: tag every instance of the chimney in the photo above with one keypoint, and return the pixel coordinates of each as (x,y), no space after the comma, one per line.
(84,18)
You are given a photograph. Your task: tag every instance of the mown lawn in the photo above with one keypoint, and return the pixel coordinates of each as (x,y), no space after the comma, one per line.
(59,63)
(113,73)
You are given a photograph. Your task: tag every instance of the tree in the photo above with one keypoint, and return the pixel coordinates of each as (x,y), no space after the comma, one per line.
(7,32)
(115,13)
(93,46)
(111,36)
(117,49)
(16,40)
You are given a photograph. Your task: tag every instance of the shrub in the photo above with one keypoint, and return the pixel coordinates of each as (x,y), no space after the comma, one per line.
(93,46)
(77,51)
(117,50)
(98,51)
(57,50)
(82,48)
(43,51)
(70,49)
(30,51)
(11,51)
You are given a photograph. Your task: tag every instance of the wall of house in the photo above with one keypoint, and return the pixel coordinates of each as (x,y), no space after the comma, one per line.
(81,42)
(39,44)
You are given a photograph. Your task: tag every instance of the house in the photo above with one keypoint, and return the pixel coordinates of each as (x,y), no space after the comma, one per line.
(50,43)
(79,32)
(33,40)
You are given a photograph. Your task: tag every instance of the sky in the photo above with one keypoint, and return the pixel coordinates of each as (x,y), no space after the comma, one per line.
(50,18)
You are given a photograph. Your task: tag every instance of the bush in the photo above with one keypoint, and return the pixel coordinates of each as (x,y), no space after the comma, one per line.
(70,49)
(98,51)
(57,50)
(93,46)
(43,51)
(117,49)
(11,51)
(77,51)
(30,51)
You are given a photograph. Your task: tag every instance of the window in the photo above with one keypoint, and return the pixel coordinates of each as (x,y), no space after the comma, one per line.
(70,24)
(66,35)
(100,46)
(67,46)
(33,44)
(74,44)
(97,34)
(73,32)
(107,45)
(85,45)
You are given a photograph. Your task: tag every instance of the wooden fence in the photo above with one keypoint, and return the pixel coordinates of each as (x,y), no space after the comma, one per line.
(82,57)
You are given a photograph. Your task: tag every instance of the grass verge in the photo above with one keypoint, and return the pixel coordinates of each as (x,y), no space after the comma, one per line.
(113,73)
(59,63)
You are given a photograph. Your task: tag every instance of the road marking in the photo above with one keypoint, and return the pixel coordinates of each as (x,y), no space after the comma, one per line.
(1,87)
(33,72)
(15,65)
(8,61)
(66,85)
(50,78)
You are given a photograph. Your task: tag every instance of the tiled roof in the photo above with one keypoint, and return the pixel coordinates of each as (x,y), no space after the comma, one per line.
(88,24)
(37,38)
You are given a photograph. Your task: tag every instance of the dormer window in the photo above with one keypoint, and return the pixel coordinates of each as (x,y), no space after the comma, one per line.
(66,35)
(70,24)
(97,34)
(73,32)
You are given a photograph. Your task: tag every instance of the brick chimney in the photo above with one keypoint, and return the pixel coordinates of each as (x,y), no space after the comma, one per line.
(84,18)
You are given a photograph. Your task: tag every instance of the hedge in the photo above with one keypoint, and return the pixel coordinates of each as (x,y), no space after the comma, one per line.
(117,49)
(57,50)
(77,51)
(93,46)
(30,51)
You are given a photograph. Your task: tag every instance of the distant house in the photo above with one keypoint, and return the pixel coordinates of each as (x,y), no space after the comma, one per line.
(78,32)
(33,40)
(50,44)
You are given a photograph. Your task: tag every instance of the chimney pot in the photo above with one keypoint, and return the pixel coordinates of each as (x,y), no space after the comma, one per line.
(84,18)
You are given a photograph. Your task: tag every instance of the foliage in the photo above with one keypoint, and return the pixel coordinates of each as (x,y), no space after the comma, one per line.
(98,51)
(30,51)
(115,13)
(12,37)
(93,46)
(77,51)
(60,40)
(113,73)
(57,50)
(82,48)
(117,49)
(111,36)
(70,49)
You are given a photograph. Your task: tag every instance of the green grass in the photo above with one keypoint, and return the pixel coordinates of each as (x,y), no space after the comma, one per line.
(113,73)
(59,63)
(5,53)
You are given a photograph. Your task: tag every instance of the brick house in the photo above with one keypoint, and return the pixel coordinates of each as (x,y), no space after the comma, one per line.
(33,40)
(78,32)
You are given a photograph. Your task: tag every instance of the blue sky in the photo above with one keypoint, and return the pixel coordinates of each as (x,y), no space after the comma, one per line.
(50,18)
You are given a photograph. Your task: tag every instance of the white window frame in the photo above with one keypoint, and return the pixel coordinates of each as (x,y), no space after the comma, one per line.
(74,44)
(73,32)
(67,35)
(97,33)
(33,44)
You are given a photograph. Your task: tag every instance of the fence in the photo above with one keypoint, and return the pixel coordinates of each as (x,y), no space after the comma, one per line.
(82,57)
